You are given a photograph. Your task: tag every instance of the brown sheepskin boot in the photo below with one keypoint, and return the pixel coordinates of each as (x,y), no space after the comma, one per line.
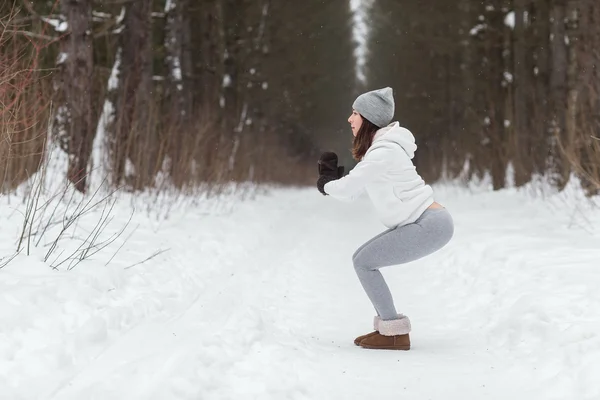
(392,335)
(375,326)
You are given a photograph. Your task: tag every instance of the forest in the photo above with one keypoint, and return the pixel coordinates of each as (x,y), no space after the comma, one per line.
(207,92)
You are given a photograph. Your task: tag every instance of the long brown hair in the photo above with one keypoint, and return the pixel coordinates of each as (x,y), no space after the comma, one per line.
(363,139)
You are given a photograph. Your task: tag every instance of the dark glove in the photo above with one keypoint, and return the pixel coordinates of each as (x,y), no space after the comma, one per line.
(328,165)
(328,170)
(323,179)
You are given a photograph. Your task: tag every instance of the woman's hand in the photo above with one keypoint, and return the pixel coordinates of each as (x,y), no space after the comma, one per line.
(328,170)
(328,165)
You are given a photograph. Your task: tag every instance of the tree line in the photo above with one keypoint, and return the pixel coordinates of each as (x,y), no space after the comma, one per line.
(197,91)
(214,91)
(498,87)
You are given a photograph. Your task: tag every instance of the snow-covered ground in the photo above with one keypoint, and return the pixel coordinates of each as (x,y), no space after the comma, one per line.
(259,300)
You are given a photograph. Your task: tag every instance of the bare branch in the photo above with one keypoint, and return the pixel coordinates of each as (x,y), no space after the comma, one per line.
(4,264)
(123,244)
(35,35)
(149,258)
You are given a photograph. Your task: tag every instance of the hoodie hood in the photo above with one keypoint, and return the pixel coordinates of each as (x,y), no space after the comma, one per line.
(394,133)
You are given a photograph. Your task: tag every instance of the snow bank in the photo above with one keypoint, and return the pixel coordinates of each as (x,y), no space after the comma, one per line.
(259,300)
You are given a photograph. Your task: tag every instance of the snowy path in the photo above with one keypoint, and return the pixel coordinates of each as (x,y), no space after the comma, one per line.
(263,303)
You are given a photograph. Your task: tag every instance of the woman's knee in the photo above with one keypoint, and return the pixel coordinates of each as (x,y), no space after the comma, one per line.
(360,263)
(355,254)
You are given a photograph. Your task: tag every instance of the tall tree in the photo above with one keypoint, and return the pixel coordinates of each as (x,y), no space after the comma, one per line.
(558,88)
(132,136)
(520,113)
(178,59)
(74,126)
(540,96)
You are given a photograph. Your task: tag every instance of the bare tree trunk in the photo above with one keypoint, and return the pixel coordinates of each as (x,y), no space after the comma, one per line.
(573,78)
(474,89)
(73,125)
(178,91)
(521,160)
(135,97)
(496,97)
(541,101)
(233,21)
(178,46)
(251,79)
(206,79)
(558,90)
(207,36)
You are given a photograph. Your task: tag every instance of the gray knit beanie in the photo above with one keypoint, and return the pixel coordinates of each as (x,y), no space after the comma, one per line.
(376,106)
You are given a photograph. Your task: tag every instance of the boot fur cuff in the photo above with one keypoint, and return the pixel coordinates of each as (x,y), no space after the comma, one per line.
(393,327)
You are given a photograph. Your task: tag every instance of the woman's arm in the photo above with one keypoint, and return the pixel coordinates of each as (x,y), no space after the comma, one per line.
(352,185)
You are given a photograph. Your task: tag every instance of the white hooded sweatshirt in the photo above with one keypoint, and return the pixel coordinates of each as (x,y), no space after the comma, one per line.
(388,176)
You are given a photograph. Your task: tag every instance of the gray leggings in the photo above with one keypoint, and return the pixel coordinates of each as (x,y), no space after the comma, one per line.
(432,231)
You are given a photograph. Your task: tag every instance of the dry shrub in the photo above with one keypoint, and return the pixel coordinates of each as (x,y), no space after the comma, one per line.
(24,100)
(199,154)
(582,154)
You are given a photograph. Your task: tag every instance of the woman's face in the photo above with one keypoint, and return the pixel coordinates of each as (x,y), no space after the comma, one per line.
(355,121)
